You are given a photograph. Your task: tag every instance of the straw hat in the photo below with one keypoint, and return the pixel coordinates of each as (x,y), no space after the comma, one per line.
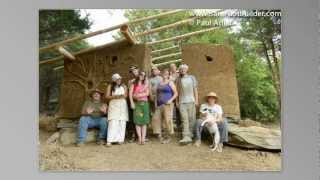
(212,94)
(96,90)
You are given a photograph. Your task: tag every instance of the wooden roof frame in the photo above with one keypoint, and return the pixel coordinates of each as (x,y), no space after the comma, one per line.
(129,36)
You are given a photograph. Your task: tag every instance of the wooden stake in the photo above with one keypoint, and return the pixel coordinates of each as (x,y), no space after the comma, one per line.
(165,56)
(66,53)
(84,36)
(183,36)
(127,33)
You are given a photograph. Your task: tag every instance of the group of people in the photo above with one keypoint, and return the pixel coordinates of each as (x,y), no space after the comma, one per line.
(166,95)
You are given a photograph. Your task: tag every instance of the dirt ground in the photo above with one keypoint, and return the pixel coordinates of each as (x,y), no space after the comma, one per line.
(153,156)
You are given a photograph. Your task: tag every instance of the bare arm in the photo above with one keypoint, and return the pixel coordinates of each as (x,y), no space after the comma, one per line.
(108,93)
(131,96)
(175,92)
(196,97)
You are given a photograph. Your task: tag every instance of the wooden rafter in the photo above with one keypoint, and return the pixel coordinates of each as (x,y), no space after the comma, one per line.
(183,36)
(176,24)
(179,23)
(127,33)
(166,56)
(169,62)
(53,60)
(164,49)
(84,36)
(66,53)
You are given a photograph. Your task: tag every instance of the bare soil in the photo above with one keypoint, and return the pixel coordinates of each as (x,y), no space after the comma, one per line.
(153,156)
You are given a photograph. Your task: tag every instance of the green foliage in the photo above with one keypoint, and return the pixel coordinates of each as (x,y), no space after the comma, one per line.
(54,26)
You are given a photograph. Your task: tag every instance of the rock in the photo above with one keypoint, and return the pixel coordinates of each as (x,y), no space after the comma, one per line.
(69,136)
(248,123)
(254,137)
(48,123)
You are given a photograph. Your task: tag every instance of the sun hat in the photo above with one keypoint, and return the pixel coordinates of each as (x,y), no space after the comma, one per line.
(115,77)
(96,90)
(212,94)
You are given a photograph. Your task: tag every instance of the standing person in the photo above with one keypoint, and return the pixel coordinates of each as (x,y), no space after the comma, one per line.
(174,74)
(131,132)
(93,116)
(187,101)
(212,108)
(138,95)
(118,110)
(154,82)
(166,94)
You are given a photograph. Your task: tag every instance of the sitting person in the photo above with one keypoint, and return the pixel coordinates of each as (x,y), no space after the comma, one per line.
(211,118)
(93,116)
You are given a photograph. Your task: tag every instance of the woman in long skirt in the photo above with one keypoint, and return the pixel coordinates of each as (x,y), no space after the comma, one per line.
(138,94)
(118,110)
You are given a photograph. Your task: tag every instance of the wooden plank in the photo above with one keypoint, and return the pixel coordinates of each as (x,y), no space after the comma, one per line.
(169,62)
(84,36)
(165,56)
(127,33)
(184,36)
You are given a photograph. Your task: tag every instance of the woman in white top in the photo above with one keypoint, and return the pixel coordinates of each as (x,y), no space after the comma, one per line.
(118,110)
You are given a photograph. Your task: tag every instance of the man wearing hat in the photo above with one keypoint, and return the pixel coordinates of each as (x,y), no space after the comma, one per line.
(93,116)
(216,125)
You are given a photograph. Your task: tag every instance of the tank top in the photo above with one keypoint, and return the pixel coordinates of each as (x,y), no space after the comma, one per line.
(164,94)
(137,89)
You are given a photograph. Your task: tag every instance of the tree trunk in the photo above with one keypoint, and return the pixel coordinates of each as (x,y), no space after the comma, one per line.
(273,73)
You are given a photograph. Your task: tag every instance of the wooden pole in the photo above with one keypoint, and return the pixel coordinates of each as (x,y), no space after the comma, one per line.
(165,56)
(126,32)
(84,36)
(179,23)
(66,53)
(164,49)
(169,62)
(53,60)
(183,36)
(58,68)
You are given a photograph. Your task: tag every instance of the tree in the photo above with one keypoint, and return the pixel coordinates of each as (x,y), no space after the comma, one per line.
(54,26)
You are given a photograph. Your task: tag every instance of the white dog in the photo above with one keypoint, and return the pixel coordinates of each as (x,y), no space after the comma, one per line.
(211,121)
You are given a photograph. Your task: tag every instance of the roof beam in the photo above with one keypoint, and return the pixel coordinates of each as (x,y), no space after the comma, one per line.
(84,36)
(183,36)
(127,33)
(165,56)
(66,53)
(56,59)
(164,49)
(179,23)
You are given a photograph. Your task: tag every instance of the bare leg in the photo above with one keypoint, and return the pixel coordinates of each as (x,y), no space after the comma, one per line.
(138,129)
(143,133)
